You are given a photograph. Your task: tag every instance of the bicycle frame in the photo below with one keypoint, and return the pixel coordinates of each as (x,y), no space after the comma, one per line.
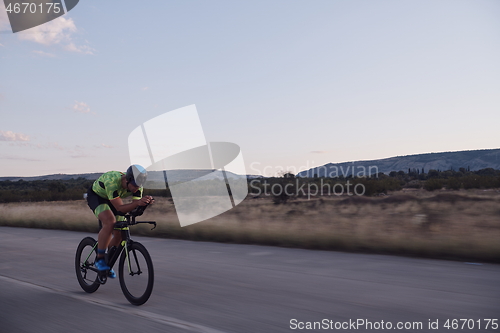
(126,242)
(136,258)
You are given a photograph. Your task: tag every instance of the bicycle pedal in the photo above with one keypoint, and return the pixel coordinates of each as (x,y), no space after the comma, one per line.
(102,277)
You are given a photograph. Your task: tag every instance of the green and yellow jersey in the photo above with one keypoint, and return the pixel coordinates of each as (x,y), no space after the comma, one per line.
(109,186)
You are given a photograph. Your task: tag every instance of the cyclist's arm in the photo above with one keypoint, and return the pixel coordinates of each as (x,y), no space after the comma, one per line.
(125,208)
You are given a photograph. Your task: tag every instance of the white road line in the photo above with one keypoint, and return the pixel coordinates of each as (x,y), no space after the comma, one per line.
(130,311)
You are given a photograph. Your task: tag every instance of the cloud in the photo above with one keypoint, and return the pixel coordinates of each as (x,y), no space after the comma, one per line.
(81,107)
(44,54)
(145,88)
(56,32)
(85,49)
(4,19)
(80,155)
(53,32)
(78,152)
(19,140)
(11,136)
(319,152)
(102,145)
(56,145)
(18,158)
(59,31)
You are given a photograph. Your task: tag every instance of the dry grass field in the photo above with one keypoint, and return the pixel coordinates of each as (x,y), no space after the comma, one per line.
(459,225)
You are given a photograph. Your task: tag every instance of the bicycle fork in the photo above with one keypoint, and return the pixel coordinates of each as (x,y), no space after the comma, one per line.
(138,267)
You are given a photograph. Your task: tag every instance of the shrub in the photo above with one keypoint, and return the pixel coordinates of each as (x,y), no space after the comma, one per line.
(454,183)
(433,184)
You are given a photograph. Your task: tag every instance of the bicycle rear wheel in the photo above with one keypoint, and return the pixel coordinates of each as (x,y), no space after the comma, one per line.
(84,265)
(136,273)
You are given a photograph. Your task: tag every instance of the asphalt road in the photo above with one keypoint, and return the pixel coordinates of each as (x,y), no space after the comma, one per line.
(211,287)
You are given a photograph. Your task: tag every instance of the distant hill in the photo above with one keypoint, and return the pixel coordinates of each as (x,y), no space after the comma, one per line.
(473,159)
(175,176)
(179,176)
(59,176)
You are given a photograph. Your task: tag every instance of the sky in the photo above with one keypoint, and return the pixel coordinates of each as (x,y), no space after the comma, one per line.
(296,84)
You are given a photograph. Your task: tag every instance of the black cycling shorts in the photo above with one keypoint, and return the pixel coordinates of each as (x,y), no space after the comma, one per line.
(98,204)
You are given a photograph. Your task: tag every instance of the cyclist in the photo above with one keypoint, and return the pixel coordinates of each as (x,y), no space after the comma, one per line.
(104,197)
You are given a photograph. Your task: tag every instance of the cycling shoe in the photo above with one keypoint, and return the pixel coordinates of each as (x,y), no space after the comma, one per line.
(101,265)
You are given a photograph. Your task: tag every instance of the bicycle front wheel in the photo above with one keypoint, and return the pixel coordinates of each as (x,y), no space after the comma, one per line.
(86,272)
(136,274)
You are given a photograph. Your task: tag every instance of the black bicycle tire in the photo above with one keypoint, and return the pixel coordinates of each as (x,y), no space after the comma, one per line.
(149,288)
(89,288)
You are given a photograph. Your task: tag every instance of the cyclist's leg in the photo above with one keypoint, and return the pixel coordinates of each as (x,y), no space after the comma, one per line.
(107,219)
(104,212)
(117,234)
(116,239)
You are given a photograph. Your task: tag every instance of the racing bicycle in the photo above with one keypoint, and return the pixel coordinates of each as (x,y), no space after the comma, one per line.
(135,267)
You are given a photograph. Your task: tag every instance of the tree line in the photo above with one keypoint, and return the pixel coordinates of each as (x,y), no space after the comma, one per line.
(43,190)
(396,180)
(463,178)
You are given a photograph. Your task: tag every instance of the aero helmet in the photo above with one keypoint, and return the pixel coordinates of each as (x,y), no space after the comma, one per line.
(136,175)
